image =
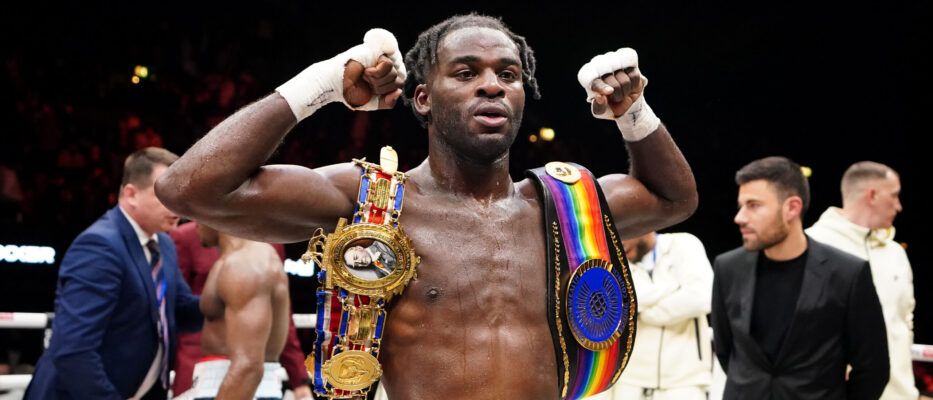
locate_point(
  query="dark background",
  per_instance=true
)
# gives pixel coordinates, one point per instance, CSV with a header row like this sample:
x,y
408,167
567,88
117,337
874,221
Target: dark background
x,y
824,85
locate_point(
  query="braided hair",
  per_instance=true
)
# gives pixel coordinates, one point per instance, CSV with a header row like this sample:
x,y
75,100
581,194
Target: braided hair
x,y
423,55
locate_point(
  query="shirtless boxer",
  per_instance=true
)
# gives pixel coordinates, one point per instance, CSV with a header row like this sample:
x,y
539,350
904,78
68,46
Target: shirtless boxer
x,y
245,306
473,325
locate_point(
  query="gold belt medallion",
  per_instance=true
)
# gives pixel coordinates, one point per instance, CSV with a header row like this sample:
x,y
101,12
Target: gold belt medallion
x,y
352,370
365,261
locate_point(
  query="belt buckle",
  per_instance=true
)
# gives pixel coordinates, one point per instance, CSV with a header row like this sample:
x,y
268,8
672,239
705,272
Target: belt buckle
x,y
595,305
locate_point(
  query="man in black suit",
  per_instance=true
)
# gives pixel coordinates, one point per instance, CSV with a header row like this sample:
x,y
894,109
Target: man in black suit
x,y
789,314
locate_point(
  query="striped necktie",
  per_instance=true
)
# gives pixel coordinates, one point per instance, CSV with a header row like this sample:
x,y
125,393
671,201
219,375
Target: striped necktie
x,y
158,279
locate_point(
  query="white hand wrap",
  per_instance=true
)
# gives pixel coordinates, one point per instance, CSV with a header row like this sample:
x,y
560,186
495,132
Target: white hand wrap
x,y
322,82
639,120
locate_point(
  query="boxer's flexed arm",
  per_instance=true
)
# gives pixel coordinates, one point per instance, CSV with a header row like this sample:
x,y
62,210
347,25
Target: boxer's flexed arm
x,y
221,180
659,190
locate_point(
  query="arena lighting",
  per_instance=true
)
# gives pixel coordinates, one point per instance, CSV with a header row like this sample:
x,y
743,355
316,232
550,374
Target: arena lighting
x,y
547,134
134,79
806,171
12,253
141,71
533,138
298,268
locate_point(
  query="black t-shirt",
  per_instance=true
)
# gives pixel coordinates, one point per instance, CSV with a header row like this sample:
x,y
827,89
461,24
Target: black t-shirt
x,y
777,287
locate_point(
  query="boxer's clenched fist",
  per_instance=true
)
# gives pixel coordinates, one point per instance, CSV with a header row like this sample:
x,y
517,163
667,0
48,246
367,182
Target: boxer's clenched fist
x,y
612,82
615,86
374,74
368,76
383,80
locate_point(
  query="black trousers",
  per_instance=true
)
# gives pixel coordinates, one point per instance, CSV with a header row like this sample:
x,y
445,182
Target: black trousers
x,y
157,392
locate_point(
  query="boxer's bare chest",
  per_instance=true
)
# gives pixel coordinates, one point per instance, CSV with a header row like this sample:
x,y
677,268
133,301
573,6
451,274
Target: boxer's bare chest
x,y
491,252
476,314
211,304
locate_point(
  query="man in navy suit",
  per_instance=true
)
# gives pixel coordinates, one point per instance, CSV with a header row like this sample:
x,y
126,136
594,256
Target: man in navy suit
x,y
789,314
120,299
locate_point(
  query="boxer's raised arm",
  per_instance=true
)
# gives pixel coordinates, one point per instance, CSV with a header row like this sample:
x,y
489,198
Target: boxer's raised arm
x,y
659,190
221,180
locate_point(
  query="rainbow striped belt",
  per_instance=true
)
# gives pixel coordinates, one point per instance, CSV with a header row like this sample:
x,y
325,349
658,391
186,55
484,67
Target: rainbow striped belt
x,y
592,296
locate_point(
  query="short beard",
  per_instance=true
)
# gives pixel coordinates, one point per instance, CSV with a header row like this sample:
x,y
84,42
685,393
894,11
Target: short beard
x,y
766,240
450,124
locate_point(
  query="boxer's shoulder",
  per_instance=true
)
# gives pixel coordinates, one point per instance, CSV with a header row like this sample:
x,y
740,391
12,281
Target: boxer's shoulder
x,y
530,192
568,173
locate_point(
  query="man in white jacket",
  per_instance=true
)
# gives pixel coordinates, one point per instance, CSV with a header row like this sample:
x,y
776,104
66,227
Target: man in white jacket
x,y
672,356
864,227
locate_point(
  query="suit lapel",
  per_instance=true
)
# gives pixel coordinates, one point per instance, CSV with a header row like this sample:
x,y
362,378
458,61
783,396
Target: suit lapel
x,y
138,261
746,283
811,293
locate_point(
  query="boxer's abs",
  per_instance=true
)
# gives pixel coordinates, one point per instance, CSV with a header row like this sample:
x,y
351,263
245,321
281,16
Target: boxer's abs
x,y
474,323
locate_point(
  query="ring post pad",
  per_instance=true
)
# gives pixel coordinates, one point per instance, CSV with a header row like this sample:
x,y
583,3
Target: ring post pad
x,y
364,262
591,298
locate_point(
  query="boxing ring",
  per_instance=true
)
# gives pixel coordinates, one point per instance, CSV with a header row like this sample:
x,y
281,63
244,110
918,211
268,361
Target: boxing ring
x,y
17,320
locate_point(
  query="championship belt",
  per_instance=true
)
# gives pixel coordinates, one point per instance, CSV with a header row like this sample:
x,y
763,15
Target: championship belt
x,y
363,264
590,287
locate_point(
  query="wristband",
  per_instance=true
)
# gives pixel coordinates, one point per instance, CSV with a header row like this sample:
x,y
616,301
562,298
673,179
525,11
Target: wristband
x,y
638,122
